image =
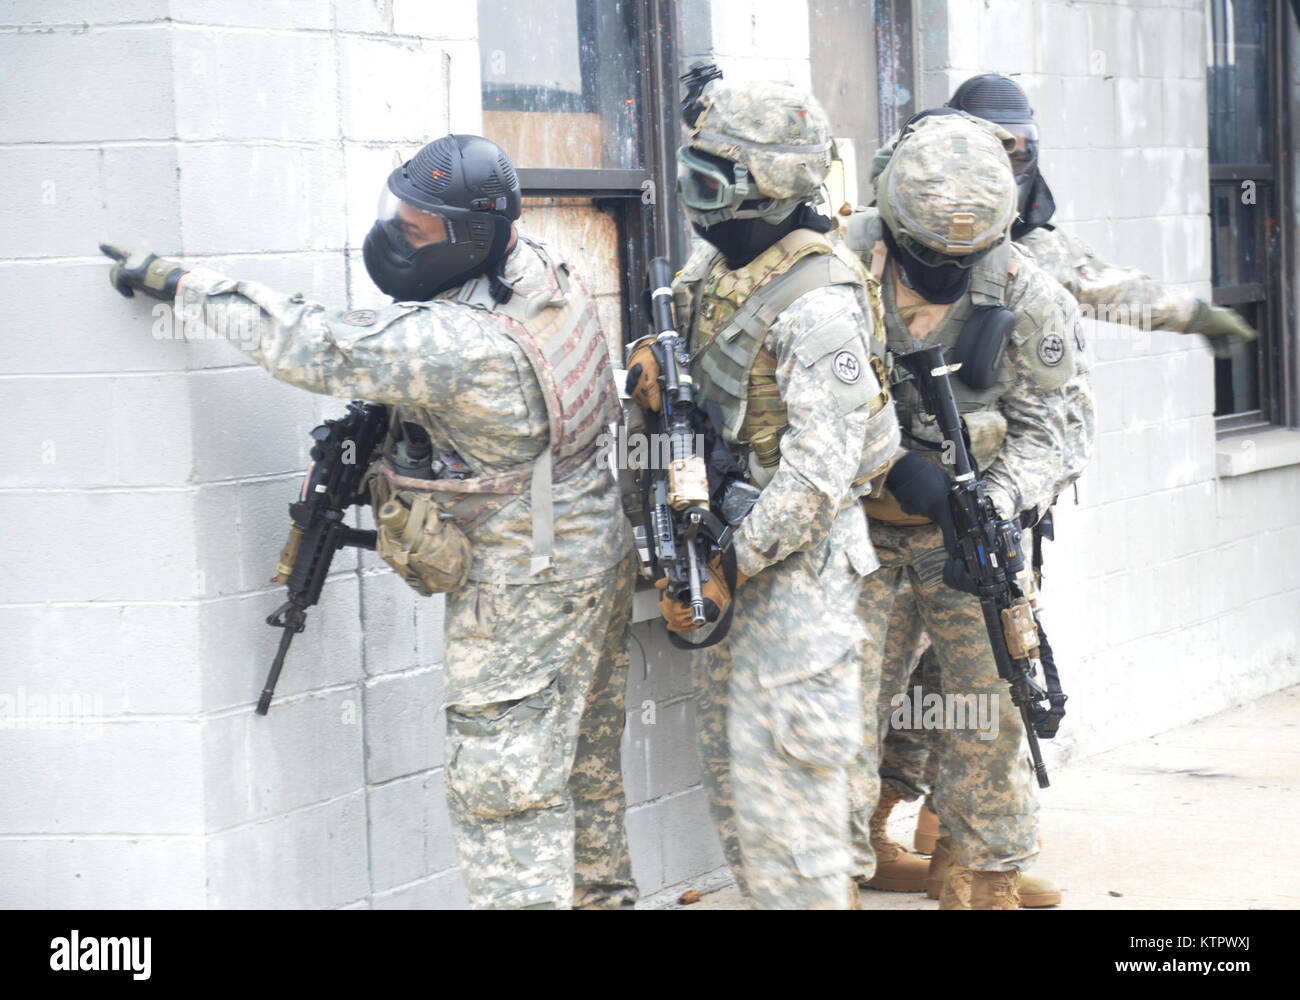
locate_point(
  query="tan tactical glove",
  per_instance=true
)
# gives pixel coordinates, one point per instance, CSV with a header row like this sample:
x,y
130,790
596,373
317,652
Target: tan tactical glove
x,y
153,275
643,376
1219,324
714,589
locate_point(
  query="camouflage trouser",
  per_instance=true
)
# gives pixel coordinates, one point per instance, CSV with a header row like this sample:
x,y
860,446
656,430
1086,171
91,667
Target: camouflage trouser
x,y
536,681
778,714
984,791
909,757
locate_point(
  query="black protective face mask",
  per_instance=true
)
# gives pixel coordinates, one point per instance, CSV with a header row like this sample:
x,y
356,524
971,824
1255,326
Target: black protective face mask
x,y
741,240
942,285
1035,203
1024,190
419,275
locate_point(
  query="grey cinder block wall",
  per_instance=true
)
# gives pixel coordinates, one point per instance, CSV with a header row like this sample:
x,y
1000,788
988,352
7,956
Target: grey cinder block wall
x,y
144,481
252,137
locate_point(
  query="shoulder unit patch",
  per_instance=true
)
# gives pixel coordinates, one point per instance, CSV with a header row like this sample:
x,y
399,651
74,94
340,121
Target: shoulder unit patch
x,y
847,367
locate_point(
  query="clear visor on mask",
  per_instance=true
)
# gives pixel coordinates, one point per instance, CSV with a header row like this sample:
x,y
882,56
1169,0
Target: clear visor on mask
x,y
410,228
708,183
1025,155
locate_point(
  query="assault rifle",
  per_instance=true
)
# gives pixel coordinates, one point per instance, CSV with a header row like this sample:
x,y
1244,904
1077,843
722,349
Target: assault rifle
x,y
339,458
991,551
683,534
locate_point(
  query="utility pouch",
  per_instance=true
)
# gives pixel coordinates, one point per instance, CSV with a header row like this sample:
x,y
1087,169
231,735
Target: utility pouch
x,y
424,545
982,344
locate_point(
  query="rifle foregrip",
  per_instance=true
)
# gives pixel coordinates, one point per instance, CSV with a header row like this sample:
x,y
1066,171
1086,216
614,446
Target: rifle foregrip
x,y
288,555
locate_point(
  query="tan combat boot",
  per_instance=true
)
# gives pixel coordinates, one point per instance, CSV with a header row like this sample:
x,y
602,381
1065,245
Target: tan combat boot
x,y
927,830
940,862
1035,890
897,868
956,888
995,890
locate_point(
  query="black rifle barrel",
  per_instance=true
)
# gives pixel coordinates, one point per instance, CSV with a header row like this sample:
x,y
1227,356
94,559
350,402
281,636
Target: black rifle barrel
x,y
931,371
272,678
673,358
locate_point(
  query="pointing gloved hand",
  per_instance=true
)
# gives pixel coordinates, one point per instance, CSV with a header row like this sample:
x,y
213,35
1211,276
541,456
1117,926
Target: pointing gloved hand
x,y
643,376
153,275
1220,324
713,590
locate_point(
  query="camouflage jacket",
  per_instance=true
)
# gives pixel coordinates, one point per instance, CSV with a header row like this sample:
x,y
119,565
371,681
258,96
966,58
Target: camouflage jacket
x,y
450,367
1042,394
1108,293
1111,294
827,432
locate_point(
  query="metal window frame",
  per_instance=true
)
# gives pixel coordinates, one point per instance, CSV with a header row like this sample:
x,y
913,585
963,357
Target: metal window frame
x,y
642,201
1276,353
1287,410
895,63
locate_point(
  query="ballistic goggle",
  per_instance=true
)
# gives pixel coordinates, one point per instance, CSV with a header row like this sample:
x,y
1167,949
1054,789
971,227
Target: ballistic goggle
x,y
1025,155
708,183
931,257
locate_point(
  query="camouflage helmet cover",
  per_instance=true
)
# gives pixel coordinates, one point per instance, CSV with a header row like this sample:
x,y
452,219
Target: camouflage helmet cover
x,y
778,132
949,185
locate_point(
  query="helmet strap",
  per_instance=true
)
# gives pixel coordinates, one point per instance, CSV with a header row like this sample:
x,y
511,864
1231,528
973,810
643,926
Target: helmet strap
x,y
500,289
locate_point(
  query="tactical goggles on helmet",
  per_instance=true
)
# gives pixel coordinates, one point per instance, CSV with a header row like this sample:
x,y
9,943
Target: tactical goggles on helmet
x,y
931,257
710,184
1025,155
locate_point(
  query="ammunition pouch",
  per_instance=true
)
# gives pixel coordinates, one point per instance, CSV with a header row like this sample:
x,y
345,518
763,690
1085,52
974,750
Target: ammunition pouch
x,y
417,538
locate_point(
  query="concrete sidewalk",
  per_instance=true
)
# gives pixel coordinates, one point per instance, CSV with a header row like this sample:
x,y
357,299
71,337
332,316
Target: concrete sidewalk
x,y
1200,817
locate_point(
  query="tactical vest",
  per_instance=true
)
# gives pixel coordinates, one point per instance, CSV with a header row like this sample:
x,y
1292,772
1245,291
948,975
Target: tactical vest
x,y
557,329
726,314
989,280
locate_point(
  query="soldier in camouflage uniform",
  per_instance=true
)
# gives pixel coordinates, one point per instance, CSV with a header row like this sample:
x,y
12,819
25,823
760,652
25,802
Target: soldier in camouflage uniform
x,y
1113,293
1118,294
528,538
781,332
939,243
